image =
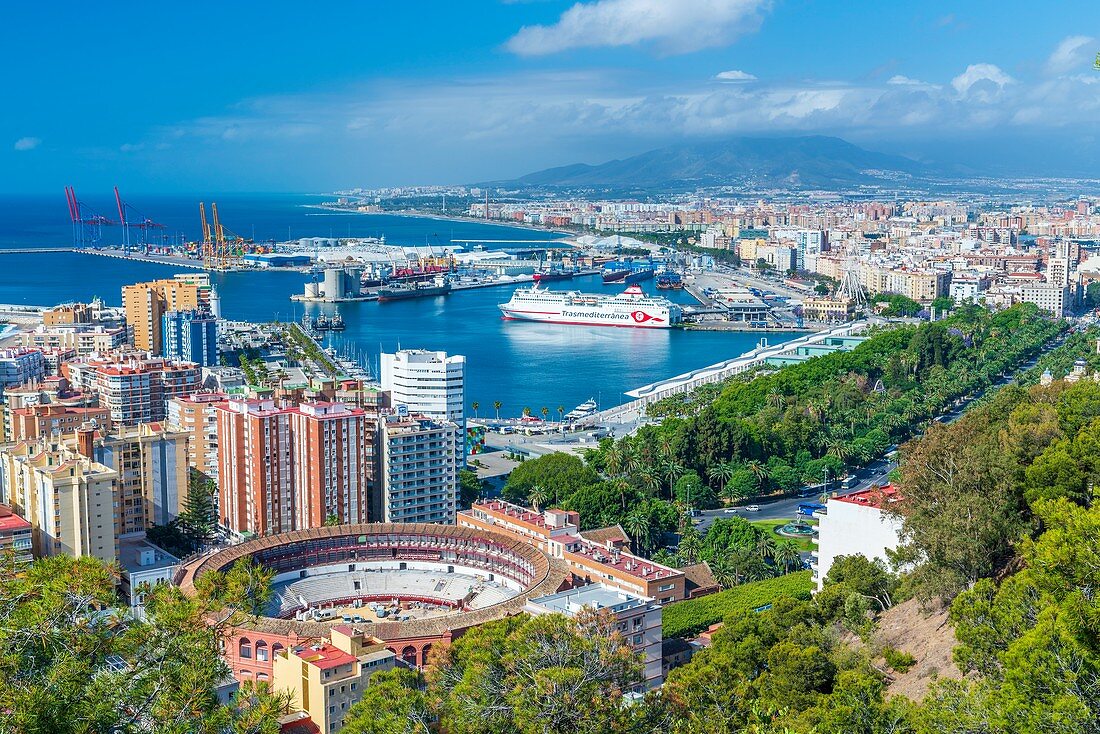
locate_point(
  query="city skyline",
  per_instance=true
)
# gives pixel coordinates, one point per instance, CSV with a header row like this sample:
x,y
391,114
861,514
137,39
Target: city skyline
x,y
228,99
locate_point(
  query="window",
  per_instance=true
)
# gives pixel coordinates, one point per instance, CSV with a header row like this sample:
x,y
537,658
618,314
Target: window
x,y
244,648
261,651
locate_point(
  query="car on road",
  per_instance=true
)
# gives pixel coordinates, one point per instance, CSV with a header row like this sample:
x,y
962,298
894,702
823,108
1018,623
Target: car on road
x,y
752,508
730,511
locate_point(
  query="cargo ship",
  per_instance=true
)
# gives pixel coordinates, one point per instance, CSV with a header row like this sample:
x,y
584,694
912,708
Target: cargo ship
x,y
402,291
632,307
668,280
633,271
546,276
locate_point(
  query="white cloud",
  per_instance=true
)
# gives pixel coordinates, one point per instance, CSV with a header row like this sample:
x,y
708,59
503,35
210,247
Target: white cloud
x,y
1069,54
27,143
467,127
670,27
899,80
734,75
981,82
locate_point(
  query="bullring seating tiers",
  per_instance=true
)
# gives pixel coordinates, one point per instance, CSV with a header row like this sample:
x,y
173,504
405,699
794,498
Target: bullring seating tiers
x,y
448,588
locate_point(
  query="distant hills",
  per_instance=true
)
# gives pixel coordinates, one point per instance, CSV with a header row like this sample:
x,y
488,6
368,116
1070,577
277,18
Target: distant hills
x,y
809,162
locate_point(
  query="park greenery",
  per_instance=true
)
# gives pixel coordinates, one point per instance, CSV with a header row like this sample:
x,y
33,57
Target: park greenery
x,y
692,616
71,664
807,423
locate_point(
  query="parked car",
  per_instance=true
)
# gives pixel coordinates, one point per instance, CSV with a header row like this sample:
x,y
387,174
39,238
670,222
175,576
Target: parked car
x,y
730,511
752,508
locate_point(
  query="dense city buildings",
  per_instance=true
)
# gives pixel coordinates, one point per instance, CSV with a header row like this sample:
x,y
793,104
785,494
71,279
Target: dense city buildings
x,y
146,304
190,336
21,366
195,415
69,499
283,468
152,467
134,389
81,338
419,469
53,419
431,384
16,537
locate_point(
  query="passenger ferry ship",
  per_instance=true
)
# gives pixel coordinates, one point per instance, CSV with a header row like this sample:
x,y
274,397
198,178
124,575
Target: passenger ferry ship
x,y
632,307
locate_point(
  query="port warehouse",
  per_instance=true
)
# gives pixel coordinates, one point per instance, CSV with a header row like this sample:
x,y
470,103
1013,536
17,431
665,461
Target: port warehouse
x,y
276,260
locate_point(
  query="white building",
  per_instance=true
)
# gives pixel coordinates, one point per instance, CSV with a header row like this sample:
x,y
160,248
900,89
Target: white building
x,y
431,384
143,566
419,470
856,524
638,619
1047,296
20,366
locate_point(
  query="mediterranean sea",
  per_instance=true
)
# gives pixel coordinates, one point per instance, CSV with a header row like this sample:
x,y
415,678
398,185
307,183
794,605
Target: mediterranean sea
x,y
517,363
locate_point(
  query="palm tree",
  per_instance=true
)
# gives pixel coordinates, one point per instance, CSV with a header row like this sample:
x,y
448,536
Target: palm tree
x,y
723,471
838,449
776,397
636,525
475,405
545,412
786,555
621,486
759,470
649,479
613,460
526,412
765,545
561,414
690,546
723,571
673,471
497,406
537,496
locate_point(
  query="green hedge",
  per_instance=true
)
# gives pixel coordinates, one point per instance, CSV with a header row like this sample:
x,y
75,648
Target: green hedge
x,y
684,618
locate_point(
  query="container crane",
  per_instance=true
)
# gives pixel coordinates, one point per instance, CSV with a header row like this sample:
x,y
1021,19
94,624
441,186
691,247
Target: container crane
x,y
87,225
129,217
220,252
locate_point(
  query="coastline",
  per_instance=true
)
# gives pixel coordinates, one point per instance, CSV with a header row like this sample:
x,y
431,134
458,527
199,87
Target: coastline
x,y
414,213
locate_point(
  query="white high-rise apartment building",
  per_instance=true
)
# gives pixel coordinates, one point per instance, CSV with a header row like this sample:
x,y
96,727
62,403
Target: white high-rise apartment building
x,y
430,384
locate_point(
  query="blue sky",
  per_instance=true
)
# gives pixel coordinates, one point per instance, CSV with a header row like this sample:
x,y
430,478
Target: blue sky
x,y
286,96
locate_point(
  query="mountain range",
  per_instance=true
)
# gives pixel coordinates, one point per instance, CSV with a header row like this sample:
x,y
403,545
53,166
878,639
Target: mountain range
x,y
808,162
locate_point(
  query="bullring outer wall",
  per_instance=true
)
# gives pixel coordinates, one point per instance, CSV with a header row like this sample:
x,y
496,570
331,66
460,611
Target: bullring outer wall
x,y
412,641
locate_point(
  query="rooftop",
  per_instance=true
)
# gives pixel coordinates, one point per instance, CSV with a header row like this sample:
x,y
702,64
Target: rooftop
x,y
871,497
324,656
592,596
10,522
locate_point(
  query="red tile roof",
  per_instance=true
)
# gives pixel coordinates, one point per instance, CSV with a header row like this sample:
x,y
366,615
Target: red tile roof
x,y
324,656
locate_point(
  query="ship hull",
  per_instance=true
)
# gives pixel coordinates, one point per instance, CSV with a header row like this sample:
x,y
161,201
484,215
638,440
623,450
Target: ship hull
x,y
626,320
411,293
615,276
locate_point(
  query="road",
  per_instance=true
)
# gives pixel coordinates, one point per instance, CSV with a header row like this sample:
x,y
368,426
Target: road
x,y
874,473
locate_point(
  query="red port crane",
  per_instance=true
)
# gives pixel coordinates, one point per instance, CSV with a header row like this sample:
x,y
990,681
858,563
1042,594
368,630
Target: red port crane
x,y
129,217
87,225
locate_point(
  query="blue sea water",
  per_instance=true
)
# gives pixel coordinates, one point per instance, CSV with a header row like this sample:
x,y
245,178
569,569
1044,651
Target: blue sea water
x,y
520,364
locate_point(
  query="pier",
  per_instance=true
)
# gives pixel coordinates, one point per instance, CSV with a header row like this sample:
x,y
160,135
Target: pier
x,y
35,250
720,372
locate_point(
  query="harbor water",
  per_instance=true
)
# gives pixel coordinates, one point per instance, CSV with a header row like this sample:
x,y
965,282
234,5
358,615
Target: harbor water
x,y
519,364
